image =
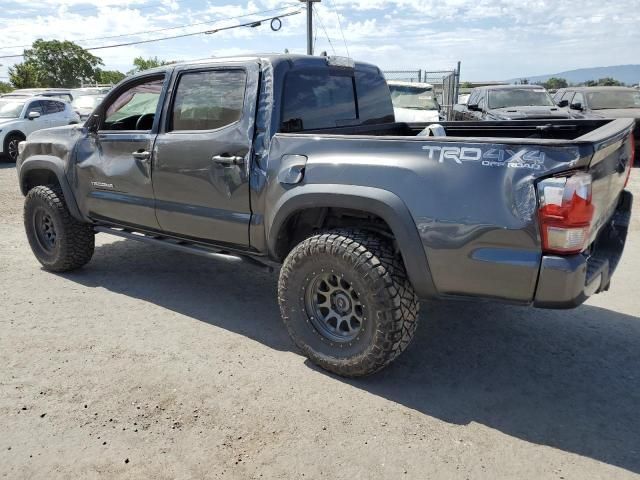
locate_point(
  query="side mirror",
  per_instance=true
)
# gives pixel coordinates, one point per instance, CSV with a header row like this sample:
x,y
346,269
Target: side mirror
x,y
576,106
474,107
563,103
92,123
33,115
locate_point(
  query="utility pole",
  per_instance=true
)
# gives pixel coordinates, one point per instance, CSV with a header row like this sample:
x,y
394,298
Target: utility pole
x,y
310,24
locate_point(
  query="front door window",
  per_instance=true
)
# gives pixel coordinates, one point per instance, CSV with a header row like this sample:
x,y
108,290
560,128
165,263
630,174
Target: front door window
x,y
135,108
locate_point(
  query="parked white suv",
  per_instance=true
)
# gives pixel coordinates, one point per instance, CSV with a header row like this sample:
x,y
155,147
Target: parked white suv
x,y
21,116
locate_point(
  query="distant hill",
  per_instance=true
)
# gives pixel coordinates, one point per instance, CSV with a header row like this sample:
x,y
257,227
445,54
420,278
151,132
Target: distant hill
x,y
629,74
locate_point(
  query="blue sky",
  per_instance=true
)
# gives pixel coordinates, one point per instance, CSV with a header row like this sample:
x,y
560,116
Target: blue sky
x,y
494,39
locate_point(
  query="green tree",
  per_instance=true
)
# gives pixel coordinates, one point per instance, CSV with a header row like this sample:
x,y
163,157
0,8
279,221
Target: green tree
x,y
55,64
24,75
466,85
5,87
109,76
609,82
603,82
141,63
554,83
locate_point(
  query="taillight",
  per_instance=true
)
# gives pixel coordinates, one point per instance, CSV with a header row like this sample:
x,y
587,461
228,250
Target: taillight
x,y
565,213
632,159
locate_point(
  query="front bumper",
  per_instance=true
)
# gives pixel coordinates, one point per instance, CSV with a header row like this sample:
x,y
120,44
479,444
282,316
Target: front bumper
x,y
567,281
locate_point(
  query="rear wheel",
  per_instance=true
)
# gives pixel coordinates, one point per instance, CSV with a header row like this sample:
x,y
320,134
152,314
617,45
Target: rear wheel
x,y
11,142
59,241
347,303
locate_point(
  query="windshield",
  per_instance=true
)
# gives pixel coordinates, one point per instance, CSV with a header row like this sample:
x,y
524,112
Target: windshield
x,y
416,98
10,108
613,99
87,101
519,98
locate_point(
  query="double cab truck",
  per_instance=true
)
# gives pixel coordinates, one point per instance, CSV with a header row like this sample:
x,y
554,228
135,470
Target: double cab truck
x,y
298,161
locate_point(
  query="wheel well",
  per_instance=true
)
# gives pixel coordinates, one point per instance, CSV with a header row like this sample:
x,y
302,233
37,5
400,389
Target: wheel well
x,y
15,132
36,177
305,223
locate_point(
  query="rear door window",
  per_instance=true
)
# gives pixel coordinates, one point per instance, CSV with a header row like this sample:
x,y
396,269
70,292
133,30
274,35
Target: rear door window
x,y
208,100
51,106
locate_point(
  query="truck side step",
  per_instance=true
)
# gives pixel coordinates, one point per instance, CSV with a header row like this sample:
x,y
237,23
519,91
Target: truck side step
x,y
182,245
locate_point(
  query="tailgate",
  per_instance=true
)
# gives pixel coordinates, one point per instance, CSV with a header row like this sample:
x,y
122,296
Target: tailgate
x,y
610,167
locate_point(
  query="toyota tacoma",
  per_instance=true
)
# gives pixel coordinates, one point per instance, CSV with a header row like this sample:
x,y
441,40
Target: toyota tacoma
x,y
298,161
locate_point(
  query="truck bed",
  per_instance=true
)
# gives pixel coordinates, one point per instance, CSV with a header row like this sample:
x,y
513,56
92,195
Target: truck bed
x,y
483,131
472,194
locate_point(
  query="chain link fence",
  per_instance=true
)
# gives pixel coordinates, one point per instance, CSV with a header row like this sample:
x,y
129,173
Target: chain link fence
x,y
446,84
404,75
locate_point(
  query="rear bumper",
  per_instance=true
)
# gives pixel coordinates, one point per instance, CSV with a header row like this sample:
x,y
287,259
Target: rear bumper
x,y
566,282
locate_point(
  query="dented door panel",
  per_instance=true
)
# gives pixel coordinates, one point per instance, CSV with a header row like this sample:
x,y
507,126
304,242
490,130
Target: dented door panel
x,y
113,184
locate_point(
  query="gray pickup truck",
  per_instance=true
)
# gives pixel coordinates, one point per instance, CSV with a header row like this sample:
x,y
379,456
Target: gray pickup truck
x,y
298,160
509,102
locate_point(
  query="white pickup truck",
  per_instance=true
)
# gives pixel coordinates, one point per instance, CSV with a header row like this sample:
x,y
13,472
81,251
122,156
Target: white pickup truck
x,y
414,102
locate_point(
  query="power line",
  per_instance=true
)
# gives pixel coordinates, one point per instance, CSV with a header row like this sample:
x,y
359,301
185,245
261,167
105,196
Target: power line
x,y
325,31
168,28
340,25
178,36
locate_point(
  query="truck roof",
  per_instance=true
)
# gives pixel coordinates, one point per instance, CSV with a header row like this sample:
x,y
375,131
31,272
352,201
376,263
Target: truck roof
x,y
409,84
600,89
510,87
272,58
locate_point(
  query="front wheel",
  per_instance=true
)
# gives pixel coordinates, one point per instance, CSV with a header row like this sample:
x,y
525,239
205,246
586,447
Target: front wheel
x,y
59,241
347,303
11,146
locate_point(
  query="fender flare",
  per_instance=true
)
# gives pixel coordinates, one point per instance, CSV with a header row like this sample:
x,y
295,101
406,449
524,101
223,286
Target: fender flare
x,y
55,166
376,201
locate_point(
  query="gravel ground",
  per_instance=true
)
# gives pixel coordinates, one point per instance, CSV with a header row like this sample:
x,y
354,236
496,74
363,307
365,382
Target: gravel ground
x,y
155,364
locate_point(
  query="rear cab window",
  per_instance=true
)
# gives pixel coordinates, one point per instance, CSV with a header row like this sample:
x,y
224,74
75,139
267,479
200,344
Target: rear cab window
x,y
318,98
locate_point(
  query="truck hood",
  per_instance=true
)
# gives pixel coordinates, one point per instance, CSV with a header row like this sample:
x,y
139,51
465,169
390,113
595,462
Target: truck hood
x,y
6,121
617,113
527,113
410,115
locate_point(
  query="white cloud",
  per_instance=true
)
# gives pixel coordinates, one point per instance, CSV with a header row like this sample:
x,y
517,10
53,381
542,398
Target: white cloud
x,y
494,39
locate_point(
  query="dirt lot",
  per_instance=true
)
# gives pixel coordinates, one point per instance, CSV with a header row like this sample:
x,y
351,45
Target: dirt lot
x,y
155,364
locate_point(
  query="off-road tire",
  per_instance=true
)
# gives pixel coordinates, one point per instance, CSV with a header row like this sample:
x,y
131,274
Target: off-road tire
x,y
377,274
10,147
74,241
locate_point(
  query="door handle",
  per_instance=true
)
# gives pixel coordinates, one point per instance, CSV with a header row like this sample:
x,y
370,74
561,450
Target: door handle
x,y
144,156
228,161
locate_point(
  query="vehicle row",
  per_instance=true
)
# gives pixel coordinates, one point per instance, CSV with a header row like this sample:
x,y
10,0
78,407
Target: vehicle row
x,y
532,102
24,111
21,116
414,102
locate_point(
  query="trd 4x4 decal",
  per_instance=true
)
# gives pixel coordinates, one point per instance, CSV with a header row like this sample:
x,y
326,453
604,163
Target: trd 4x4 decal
x,y
492,157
